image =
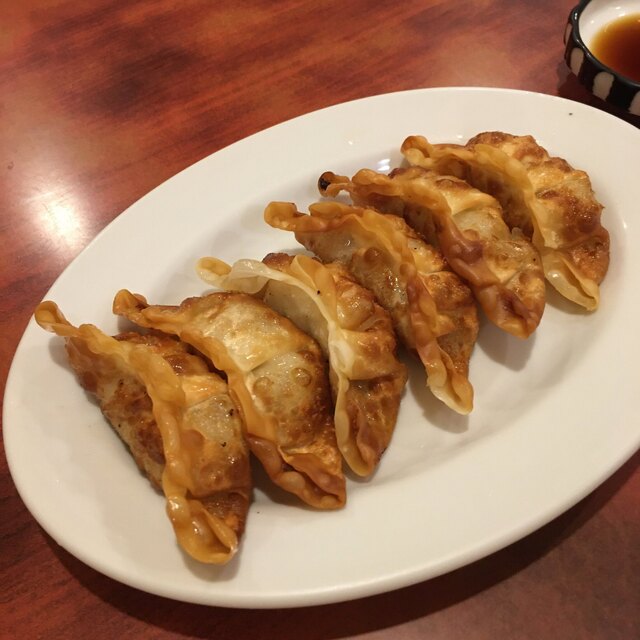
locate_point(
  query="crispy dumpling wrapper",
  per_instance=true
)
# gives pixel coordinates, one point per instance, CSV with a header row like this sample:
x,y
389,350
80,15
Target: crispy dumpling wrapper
x,y
277,378
433,311
179,423
501,266
355,333
550,201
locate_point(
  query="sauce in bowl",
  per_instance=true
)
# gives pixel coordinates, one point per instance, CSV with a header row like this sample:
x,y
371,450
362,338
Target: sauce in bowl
x,y
617,45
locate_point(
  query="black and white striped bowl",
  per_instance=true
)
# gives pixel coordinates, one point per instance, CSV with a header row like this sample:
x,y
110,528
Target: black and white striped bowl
x,y
585,20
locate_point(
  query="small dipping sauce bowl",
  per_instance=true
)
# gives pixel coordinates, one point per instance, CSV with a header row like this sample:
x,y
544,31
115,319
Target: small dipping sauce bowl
x,y
585,24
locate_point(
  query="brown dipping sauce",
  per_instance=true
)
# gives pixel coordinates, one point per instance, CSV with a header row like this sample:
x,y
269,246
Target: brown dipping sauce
x,y
618,46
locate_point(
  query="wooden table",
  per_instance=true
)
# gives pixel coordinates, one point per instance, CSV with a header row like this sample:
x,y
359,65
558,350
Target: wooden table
x,y
100,102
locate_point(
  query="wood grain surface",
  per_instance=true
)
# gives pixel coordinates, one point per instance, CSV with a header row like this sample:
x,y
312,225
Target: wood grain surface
x,y
100,102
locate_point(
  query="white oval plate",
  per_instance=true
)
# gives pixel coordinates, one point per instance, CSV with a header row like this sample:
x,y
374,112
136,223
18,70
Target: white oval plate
x,y
554,415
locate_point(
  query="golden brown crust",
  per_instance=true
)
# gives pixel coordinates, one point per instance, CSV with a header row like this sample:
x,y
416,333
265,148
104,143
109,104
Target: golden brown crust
x,y
405,274
125,403
502,267
277,377
179,423
355,333
550,201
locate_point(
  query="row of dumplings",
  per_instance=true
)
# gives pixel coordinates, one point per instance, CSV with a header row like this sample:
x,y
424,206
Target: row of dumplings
x,y
294,359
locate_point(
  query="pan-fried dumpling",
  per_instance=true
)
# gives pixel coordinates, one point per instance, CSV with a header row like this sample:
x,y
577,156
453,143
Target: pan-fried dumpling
x,y
354,332
179,423
501,266
551,202
276,376
432,310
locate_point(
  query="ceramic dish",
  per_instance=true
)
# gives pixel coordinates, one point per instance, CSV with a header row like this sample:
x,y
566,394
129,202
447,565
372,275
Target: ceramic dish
x,y
554,415
585,21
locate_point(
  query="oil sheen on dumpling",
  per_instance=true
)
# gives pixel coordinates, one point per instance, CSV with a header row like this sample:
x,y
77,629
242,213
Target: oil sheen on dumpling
x,y
276,376
550,201
501,266
432,310
179,423
354,332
